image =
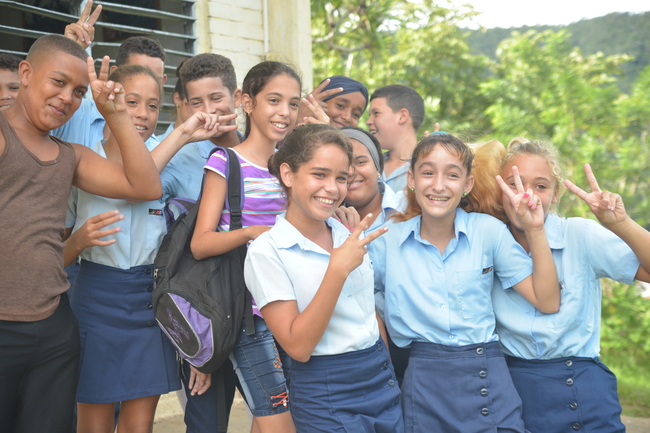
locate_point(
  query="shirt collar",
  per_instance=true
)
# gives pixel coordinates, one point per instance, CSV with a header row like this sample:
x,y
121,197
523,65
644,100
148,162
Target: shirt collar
x,y
554,232
389,200
413,225
94,112
285,235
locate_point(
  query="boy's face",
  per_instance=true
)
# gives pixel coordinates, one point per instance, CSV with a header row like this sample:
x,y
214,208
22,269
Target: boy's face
x,y
209,95
383,122
53,88
9,85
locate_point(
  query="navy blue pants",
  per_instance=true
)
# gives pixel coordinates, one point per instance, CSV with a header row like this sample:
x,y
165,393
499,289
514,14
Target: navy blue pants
x,y
567,394
201,410
349,392
460,389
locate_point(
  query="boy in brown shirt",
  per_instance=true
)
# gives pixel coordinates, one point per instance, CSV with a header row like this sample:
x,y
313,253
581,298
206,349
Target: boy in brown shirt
x,y
39,341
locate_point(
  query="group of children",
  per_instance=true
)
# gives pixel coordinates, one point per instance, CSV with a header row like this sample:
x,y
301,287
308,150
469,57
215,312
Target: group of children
x,y
427,288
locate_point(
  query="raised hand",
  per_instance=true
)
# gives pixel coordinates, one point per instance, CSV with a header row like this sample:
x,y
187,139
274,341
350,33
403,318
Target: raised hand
x,y
83,31
348,216
318,95
607,206
108,95
350,254
313,111
527,205
202,126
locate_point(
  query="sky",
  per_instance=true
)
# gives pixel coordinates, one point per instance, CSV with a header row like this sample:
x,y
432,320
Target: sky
x,y
516,13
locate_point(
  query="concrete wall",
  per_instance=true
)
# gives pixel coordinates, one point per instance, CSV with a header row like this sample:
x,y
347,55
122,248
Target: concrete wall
x,y
247,30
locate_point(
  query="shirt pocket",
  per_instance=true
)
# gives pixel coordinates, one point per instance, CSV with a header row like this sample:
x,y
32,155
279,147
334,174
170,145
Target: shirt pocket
x,y
474,289
572,309
156,228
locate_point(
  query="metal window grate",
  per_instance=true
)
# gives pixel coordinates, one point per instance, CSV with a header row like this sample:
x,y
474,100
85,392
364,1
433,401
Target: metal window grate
x,y
169,21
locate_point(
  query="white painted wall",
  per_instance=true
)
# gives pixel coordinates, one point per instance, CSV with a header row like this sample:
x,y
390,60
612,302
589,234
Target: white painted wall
x,y
236,29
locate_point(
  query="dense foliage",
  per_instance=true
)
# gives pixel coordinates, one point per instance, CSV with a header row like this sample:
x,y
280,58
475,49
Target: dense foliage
x,y
612,34
536,84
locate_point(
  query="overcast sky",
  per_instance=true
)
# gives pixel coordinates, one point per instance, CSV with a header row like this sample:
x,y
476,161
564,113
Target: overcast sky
x,y
516,13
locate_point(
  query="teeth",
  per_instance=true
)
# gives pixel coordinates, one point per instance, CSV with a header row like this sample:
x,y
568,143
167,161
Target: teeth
x,y
437,198
140,128
325,201
279,125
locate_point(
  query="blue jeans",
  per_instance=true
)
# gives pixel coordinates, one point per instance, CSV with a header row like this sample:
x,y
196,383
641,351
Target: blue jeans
x,y
259,366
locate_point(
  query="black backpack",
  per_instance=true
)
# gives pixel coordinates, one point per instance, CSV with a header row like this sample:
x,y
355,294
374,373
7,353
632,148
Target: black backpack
x,y
200,304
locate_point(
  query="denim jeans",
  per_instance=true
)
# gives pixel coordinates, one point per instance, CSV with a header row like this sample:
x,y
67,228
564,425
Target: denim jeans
x,y
259,364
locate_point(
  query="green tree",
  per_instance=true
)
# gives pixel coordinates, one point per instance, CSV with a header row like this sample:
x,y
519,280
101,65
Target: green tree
x,y
403,42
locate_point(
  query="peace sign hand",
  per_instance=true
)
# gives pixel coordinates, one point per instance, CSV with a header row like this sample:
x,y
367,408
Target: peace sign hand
x,y
317,115
108,95
83,31
349,256
607,206
202,126
316,95
528,207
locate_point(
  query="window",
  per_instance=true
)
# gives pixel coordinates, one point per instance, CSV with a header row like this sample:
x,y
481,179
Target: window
x,y
169,21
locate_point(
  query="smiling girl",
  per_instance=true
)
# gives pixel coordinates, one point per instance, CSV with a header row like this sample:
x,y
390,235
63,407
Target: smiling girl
x,y
554,359
125,358
345,108
313,281
270,99
435,267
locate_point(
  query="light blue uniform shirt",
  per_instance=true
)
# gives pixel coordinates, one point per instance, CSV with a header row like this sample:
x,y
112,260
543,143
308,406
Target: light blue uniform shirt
x,y
283,265
86,126
445,299
583,252
143,226
398,177
391,202
183,175
170,128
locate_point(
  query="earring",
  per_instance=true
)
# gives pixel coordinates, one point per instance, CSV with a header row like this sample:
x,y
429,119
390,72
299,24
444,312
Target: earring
x,y
378,175
464,194
412,189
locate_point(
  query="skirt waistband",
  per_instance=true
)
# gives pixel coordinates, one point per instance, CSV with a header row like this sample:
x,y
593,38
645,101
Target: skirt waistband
x,y
109,272
435,350
555,363
341,359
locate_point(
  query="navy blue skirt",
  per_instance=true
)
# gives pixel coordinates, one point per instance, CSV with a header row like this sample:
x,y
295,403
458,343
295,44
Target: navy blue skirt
x,y
124,354
567,394
349,392
464,389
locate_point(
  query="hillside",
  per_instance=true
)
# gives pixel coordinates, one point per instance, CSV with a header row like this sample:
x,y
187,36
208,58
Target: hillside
x,y
616,33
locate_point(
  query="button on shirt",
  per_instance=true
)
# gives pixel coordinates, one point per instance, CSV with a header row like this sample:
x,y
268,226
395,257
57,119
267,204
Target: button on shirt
x,y
583,252
143,226
445,299
283,265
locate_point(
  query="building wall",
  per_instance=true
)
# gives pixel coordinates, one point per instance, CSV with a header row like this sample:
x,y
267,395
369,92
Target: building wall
x,y
247,30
